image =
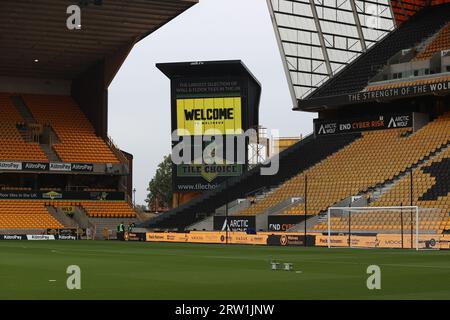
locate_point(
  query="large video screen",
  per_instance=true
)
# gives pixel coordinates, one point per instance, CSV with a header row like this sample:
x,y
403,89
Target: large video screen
x,y
209,116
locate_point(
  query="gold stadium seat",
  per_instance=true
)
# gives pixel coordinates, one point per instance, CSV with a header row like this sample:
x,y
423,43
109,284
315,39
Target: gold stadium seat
x,y
371,160
440,42
77,139
26,214
12,146
108,209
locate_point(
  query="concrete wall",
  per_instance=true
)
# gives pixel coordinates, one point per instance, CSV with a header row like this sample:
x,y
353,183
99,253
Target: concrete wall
x,y
37,86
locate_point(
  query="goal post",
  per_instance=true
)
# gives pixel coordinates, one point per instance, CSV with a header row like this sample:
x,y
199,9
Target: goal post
x,y
383,227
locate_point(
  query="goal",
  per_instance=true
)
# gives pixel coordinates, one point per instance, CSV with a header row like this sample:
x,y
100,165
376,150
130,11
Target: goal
x,y
383,227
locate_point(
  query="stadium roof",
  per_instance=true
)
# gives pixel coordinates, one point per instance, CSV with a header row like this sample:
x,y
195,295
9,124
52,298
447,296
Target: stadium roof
x,y
206,68
319,37
35,41
356,76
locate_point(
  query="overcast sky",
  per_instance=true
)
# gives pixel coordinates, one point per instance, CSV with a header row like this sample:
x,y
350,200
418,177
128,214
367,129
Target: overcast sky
x,y
139,97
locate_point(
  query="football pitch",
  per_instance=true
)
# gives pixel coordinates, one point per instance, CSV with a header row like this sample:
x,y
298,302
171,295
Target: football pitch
x,y
139,270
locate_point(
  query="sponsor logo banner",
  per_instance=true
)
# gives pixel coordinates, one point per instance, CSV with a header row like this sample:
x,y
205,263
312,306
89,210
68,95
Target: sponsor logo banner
x,y
133,236
65,234
381,241
60,166
369,241
82,167
43,166
389,94
295,239
35,166
13,237
43,237
209,171
428,241
40,237
405,91
53,195
166,237
66,237
209,237
235,223
337,241
279,223
14,166
380,122
289,239
243,238
20,195
205,237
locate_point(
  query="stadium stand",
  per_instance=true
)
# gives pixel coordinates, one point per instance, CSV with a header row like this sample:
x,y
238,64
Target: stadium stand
x,y
54,141
440,42
375,168
30,214
77,139
13,147
431,192
76,142
369,161
398,84
41,214
98,209
302,155
106,209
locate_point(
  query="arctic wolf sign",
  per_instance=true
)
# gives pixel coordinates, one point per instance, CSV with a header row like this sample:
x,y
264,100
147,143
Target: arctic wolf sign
x,y
369,123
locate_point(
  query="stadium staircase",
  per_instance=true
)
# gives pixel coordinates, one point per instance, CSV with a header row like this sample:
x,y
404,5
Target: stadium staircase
x,y
62,218
299,157
310,223
52,128
431,192
71,135
24,133
23,109
284,205
47,137
12,145
440,41
355,76
49,153
81,218
426,42
375,193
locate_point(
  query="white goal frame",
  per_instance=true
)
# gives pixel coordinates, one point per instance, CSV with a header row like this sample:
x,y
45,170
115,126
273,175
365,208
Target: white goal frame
x,y
415,208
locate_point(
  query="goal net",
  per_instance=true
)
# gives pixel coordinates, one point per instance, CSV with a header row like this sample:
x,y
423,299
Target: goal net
x,y
383,227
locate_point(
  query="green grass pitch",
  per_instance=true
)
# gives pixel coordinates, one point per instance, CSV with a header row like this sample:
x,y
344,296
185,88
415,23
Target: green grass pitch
x,y
138,270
